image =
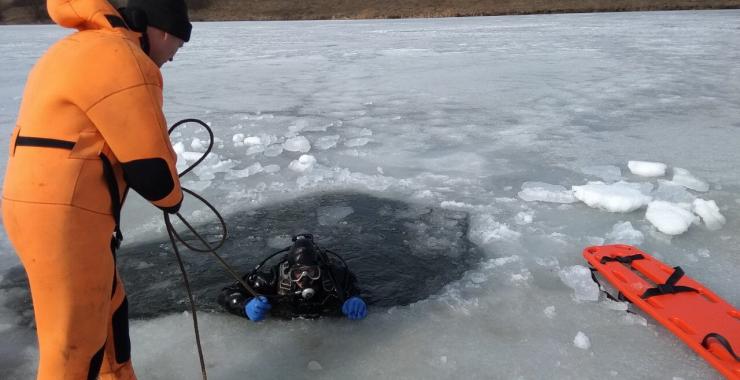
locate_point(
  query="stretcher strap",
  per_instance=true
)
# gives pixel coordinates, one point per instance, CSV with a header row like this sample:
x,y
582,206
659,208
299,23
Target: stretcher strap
x,y
722,341
670,286
622,259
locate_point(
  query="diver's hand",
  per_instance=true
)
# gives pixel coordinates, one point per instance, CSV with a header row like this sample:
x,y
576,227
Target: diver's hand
x,y
354,308
257,308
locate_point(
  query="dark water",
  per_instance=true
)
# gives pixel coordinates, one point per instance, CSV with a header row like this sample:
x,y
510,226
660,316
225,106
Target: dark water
x,y
400,252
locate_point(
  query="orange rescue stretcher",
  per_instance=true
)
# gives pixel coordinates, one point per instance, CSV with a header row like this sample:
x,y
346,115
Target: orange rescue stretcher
x,y
704,321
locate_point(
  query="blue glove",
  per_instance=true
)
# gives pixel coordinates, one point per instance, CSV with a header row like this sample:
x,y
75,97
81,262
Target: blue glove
x,y
257,308
354,308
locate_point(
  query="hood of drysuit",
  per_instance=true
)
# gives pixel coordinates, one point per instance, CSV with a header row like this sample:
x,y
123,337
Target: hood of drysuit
x,y
81,14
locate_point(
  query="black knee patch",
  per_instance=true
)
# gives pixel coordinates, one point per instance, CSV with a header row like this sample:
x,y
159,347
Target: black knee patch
x,y
95,363
121,340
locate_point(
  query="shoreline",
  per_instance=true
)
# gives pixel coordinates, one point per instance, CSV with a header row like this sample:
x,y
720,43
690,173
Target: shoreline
x,y
33,13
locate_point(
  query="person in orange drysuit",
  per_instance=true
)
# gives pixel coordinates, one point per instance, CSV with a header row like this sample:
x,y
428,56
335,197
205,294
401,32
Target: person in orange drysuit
x,y
90,126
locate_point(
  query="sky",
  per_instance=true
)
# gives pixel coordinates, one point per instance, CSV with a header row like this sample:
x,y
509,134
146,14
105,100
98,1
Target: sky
x,y
547,133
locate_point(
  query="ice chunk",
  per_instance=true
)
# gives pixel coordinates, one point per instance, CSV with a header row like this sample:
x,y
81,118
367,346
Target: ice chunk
x,y
524,217
579,279
207,170
605,172
272,169
297,144
246,172
327,142
192,156
669,218
198,144
197,186
252,140
360,141
454,205
331,215
709,213
581,341
304,163
238,138
684,178
273,150
615,305
477,277
624,233
298,126
545,192
254,149
313,365
179,148
647,168
617,197
486,229
550,312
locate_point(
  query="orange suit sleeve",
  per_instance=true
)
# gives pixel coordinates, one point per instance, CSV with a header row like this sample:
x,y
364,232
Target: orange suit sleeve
x,y
133,126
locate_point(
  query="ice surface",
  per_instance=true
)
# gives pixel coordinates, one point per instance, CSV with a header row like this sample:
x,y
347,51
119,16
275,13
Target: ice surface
x,y
647,168
457,112
617,197
670,218
684,178
544,192
709,213
672,192
605,172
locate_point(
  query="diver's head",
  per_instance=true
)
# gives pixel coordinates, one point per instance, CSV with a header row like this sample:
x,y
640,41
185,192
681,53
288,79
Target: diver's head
x,y
303,263
165,24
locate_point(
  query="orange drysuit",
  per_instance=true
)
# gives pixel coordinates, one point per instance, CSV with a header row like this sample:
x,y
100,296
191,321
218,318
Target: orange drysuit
x,y
90,125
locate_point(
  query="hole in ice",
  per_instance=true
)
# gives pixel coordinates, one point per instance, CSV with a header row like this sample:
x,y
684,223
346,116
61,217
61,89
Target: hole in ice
x,y
400,252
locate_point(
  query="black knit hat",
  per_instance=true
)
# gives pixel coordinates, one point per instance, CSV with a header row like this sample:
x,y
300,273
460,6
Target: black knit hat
x,y
170,16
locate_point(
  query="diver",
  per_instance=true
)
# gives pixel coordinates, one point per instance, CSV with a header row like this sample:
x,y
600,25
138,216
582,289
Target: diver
x,y
306,283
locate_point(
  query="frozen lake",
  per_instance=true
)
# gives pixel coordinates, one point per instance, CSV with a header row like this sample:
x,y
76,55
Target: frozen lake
x,y
503,124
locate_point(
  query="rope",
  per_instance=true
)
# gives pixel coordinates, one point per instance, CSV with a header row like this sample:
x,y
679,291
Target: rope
x,y
174,237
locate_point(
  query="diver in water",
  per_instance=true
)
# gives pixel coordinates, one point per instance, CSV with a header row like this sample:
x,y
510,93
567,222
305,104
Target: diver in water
x,y
305,283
